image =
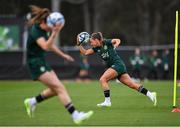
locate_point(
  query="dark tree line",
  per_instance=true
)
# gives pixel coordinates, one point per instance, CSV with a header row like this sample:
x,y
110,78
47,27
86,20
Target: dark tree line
x,y
136,22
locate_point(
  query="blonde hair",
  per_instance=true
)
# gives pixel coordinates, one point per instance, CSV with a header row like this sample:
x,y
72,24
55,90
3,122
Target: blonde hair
x,y
38,15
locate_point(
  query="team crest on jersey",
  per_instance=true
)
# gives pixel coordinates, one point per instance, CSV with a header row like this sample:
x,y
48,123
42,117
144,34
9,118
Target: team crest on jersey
x,y
42,68
113,65
105,47
48,34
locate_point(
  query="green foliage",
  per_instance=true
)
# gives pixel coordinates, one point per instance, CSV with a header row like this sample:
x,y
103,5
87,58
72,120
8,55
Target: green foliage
x,y
136,22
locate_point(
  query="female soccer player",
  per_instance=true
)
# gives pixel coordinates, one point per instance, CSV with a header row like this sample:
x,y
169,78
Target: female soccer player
x,y
105,48
37,44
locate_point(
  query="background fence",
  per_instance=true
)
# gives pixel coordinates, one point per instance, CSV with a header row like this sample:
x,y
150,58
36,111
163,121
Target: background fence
x,y
13,67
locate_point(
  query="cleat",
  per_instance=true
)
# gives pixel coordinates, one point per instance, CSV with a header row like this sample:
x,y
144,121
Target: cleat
x,y
29,108
82,116
104,104
154,99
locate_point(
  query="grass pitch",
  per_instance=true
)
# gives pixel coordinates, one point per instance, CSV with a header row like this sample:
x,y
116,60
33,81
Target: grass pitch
x,y
129,108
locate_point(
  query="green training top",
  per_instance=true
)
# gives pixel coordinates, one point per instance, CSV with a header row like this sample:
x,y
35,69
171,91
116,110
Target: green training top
x,y
33,49
153,62
107,52
137,61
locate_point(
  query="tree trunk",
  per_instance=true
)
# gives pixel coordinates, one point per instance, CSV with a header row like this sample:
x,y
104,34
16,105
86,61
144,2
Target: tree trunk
x,y
86,17
96,16
144,21
156,29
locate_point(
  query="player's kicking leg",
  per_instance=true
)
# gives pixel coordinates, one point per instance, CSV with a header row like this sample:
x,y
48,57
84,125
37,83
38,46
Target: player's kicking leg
x,y
104,104
107,101
108,75
30,103
125,79
154,98
30,108
79,117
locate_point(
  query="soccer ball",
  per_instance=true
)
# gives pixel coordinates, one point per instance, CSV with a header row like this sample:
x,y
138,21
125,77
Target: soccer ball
x,y
54,19
83,37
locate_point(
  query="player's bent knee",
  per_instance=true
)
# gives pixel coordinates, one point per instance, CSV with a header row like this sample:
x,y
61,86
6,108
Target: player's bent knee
x,y
102,80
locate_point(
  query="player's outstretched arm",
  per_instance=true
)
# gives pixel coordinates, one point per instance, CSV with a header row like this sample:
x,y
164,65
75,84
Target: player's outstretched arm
x,y
86,51
83,50
56,50
46,44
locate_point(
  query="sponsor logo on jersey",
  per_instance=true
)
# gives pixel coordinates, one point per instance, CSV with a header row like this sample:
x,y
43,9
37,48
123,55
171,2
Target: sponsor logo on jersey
x,y
105,47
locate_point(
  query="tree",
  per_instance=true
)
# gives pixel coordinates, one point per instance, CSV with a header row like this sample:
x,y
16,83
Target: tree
x,y
140,22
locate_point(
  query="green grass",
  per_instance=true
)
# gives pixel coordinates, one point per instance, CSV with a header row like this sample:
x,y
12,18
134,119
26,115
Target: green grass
x,y
129,108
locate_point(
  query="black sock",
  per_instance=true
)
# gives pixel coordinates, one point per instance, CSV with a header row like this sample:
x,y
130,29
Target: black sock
x,y
142,90
40,98
107,93
70,107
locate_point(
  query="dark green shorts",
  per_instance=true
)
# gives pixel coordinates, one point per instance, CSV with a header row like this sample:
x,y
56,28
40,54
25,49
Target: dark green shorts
x,y
119,67
38,66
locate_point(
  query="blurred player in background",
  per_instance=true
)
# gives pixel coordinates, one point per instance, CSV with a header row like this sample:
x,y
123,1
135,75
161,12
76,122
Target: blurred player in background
x,y
116,68
84,69
154,63
137,61
39,41
165,64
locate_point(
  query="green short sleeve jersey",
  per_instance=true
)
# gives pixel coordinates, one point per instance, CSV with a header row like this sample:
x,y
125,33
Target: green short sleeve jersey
x,y
33,49
153,62
36,62
165,62
110,56
137,61
165,59
107,52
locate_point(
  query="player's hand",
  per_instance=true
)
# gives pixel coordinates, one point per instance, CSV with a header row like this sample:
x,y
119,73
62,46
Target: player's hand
x,y
55,31
57,28
68,58
78,43
115,46
116,43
